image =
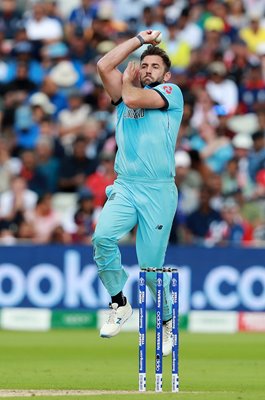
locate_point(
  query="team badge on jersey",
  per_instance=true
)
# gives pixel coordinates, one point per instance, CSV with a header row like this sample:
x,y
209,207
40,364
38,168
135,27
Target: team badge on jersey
x,y
167,89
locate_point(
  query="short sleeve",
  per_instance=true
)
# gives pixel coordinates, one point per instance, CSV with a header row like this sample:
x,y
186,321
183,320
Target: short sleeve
x,y
171,94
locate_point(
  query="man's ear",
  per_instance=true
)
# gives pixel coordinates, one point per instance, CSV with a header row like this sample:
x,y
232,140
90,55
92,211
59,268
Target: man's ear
x,y
167,76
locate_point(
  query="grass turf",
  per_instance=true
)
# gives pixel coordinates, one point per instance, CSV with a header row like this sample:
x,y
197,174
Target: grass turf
x,y
212,367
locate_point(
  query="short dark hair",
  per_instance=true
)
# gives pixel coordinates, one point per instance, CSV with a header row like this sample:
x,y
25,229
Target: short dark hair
x,y
157,51
257,135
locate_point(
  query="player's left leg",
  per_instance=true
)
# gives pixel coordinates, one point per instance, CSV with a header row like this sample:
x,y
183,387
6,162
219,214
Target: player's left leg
x,y
155,216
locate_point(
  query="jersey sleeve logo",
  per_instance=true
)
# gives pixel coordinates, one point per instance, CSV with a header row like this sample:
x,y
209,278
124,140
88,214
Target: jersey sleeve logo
x,y
167,89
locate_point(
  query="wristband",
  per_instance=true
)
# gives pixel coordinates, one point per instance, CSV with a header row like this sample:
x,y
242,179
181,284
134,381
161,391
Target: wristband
x,y
141,39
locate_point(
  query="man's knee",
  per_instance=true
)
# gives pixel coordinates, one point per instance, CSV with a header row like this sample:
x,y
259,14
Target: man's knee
x,y
102,242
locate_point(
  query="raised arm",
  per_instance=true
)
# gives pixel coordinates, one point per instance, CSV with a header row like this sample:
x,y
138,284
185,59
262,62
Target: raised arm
x,y
135,96
107,65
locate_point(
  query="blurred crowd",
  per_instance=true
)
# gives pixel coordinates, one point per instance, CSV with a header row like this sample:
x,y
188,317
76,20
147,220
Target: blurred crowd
x,y
57,124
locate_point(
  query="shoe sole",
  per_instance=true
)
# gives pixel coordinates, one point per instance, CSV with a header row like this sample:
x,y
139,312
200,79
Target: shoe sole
x,y
166,355
115,334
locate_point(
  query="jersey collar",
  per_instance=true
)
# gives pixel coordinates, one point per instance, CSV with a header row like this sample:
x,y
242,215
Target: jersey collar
x,y
154,84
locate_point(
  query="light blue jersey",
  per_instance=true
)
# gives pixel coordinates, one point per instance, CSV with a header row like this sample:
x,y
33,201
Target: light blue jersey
x,y
146,138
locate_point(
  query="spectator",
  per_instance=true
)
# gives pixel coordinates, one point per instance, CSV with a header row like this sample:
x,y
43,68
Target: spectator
x,y
20,32
23,52
49,129
223,128
52,11
84,217
252,87
259,235
242,144
149,21
7,236
186,129
214,40
237,17
189,31
261,54
256,6
55,95
253,34
73,119
261,118
66,76
60,236
176,48
25,232
9,166
214,182
10,16
76,167
95,137
199,167
222,90
232,229
41,27
260,179
185,177
47,164
257,155
103,177
236,59
27,131
230,178
43,219
81,16
66,73
3,71
21,83
103,112
204,111
129,10
198,222
187,195
35,179
15,94
16,201
41,107
215,150
28,119
81,49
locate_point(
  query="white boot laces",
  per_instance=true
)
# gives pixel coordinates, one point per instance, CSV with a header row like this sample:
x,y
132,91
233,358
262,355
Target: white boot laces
x,y
112,313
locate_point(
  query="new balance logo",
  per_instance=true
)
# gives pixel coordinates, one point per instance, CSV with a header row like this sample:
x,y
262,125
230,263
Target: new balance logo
x,y
159,227
118,320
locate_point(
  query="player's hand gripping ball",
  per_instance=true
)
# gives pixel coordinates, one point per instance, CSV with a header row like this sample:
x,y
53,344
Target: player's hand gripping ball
x,y
159,38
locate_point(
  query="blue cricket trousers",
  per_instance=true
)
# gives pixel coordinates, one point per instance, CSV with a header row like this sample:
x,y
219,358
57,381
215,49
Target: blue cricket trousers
x,y
149,204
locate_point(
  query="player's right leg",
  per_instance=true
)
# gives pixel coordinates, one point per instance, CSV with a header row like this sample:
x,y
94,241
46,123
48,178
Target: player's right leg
x,y
154,224
117,218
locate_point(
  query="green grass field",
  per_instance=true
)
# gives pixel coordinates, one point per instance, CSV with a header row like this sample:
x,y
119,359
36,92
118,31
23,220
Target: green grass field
x,y
212,367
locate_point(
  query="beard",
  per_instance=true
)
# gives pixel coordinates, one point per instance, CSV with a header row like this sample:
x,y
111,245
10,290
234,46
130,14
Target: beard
x,y
147,80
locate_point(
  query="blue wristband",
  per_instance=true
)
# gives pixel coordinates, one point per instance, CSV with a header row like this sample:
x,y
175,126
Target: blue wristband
x,y
141,39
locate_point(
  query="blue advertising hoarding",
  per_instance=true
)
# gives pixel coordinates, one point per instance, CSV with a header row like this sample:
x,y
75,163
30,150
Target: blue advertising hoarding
x,y
61,277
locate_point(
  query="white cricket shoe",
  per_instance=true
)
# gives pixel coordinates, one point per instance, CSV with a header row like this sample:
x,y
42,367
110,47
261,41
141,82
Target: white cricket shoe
x,y
117,317
167,338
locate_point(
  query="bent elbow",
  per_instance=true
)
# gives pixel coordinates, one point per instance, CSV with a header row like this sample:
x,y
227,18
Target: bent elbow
x,y
129,102
100,65
104,65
